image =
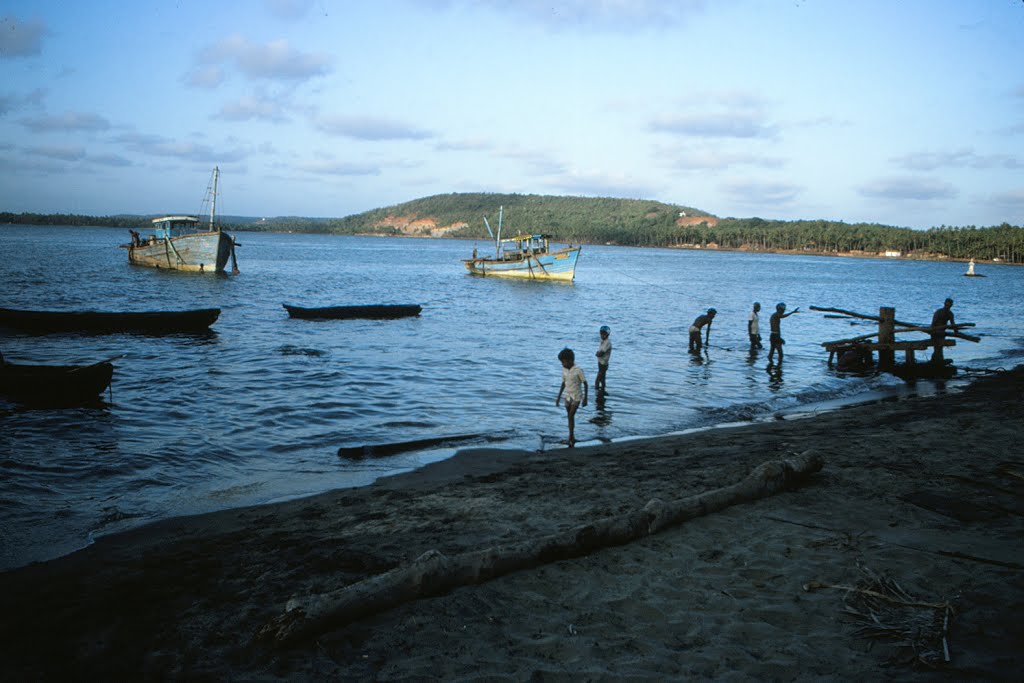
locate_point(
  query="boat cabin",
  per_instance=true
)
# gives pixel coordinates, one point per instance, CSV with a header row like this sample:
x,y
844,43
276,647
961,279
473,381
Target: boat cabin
x,y
519,247
174,226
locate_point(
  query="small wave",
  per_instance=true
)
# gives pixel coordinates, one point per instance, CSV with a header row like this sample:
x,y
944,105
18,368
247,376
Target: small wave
x,y
241,490
399,424
289,350
114,515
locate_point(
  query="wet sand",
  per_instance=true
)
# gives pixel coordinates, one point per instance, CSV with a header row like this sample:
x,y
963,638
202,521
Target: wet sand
x,y
920,501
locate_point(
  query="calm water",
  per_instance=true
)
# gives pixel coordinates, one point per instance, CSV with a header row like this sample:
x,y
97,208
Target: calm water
x,y
256,410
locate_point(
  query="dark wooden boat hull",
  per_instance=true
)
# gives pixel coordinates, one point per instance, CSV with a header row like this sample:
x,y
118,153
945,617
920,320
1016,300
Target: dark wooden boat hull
x,y
909,372
97,322
54,385
379,312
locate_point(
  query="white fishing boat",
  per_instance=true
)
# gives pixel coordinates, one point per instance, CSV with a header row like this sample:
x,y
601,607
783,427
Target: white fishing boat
x,y
527,257
184,242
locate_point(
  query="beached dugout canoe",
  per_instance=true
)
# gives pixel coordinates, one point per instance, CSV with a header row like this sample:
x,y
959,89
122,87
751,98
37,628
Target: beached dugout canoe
x,y
377,312
57,385
101,322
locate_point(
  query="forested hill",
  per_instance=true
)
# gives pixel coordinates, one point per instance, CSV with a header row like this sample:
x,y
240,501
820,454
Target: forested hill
x,y
627,222
634,222
577,219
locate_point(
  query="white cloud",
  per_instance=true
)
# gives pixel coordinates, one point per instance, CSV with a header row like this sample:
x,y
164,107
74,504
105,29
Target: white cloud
x,y
370,128
908,187
109,160
611,15
252,108
157,146
741,124
597,184
477,145
289,10
1011,200
761,193
275,60
69,153
339,168
70,121
714,158
9,103
963,158
208,76
20,38
540,163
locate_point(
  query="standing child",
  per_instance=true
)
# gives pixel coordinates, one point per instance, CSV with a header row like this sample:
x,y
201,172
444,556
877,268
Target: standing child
x,y
754,327
572,381
604,354
775,339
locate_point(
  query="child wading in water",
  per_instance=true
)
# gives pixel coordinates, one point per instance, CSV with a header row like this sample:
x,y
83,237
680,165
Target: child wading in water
x,y
572,381
604,355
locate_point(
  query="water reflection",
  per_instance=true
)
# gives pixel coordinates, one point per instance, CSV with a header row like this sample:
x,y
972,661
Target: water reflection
x,y
604,416
774,371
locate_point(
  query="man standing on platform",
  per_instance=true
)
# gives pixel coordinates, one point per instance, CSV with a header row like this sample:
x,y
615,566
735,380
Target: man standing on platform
x,y
942,319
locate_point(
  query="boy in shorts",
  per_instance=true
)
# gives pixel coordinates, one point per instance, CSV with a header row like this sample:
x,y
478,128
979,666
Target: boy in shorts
x,y
574,385
604,355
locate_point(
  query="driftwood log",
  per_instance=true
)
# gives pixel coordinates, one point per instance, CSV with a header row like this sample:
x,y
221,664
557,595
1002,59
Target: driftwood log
x,y
434,573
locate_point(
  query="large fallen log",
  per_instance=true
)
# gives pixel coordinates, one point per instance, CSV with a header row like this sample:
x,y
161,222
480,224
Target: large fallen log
x,y
434,573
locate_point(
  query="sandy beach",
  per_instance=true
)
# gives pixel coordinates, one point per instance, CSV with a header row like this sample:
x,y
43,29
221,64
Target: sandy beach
x,y
901,559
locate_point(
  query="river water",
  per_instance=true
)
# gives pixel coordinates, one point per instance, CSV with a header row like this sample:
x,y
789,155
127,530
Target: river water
x,y
256,410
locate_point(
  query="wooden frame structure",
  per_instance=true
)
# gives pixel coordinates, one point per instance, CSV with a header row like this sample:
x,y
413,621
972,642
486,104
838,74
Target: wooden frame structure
x,y
887,344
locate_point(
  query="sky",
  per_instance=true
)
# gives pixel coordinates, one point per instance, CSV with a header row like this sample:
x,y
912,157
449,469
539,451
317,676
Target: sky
x,y
906,113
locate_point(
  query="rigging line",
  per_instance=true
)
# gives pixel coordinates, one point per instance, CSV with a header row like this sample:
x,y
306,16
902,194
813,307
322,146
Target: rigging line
x,y
645,282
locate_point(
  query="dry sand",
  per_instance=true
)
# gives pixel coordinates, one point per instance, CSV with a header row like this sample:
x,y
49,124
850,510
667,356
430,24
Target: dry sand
x,y
927,492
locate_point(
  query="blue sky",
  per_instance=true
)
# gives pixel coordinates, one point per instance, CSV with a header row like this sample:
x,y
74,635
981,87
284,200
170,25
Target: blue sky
x,y
906,113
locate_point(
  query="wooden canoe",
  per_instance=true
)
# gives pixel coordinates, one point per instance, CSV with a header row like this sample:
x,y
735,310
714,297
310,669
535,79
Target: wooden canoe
x,y
378,312
909,372
99,322
54,385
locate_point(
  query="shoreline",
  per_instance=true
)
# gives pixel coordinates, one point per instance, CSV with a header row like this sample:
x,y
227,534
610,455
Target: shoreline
x,y
812,408
924,490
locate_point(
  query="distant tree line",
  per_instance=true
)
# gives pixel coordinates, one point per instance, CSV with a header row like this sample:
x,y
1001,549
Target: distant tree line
x,y
236,223
625,222
70,219
1004,242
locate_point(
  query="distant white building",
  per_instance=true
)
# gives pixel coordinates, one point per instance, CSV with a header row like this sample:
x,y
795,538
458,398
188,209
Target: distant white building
x,y
893,254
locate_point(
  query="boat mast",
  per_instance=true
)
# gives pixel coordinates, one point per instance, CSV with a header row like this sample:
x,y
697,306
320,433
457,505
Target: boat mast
x,y
497,242
213,196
